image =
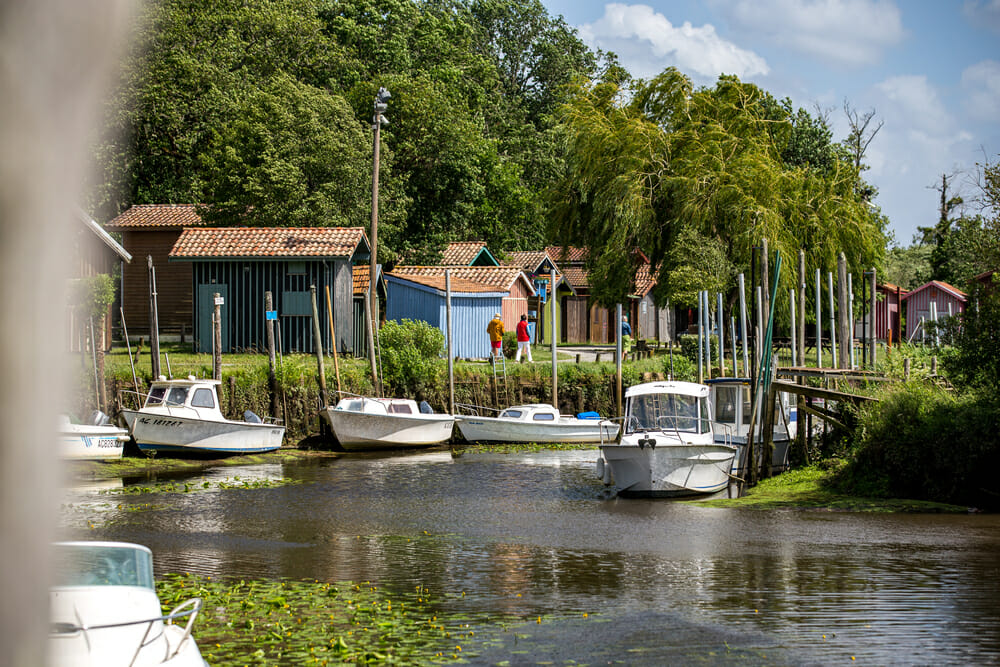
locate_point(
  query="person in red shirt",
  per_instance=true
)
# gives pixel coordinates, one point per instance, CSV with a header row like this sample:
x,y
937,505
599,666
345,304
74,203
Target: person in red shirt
x,y
523,339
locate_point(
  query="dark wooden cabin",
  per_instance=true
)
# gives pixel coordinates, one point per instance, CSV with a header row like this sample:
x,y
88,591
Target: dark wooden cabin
x,y
151,230
242,263
95,253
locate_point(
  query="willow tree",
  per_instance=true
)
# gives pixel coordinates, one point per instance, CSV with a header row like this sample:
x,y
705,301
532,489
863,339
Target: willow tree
x,y
680,173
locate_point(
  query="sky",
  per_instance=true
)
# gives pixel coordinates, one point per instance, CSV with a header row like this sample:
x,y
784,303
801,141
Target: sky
x,y
930,70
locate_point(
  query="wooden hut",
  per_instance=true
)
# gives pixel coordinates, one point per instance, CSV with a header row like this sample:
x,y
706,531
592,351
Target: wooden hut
x,y
95,253
242,263
151,231
468,253
418,293
362,277
947,300
537,266
649,321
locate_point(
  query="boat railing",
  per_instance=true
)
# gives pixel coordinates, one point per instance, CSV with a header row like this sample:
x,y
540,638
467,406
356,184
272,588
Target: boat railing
x,y
189,609
474,409
727,431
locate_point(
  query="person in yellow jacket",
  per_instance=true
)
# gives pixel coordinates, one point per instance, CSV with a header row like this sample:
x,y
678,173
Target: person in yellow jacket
x,y
495,330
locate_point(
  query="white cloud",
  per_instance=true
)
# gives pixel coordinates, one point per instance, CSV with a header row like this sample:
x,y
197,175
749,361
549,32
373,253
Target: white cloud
x,y
981,83
846,32
981,13
647,43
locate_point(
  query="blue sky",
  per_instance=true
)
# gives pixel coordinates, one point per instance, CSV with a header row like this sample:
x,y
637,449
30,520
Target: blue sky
x,y
930,69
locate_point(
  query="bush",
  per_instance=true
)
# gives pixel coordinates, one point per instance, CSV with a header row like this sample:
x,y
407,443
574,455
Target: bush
x,y
411,357
689,347
509,344
924,443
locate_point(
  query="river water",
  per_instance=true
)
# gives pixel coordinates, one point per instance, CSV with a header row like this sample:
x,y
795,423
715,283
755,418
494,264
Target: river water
x,y
624,581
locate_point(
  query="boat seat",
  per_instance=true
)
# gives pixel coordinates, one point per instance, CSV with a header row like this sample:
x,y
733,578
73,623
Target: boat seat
x,y
425,408
249,416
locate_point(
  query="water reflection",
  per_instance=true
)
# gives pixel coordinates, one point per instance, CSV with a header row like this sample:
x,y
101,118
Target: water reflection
x,y
534,534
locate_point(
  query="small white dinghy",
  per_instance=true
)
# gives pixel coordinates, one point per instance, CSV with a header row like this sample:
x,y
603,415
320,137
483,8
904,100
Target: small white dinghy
x,y
104,611
183,416
536,422
668,447
99,440
361,422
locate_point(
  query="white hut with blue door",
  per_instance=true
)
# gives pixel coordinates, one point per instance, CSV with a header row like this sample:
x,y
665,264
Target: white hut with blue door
x,y
477,294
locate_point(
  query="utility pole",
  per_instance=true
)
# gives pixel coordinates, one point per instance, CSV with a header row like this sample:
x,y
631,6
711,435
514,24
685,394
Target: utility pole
x,y
377,121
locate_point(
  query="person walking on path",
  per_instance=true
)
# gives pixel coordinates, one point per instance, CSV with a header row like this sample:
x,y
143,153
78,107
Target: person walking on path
x,y
495,330
523,340
626,337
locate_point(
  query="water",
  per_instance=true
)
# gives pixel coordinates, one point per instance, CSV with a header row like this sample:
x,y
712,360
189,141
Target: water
x,y
537,534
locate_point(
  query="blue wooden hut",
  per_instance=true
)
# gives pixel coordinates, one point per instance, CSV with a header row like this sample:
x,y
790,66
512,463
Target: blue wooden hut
x,y
242,263
418,293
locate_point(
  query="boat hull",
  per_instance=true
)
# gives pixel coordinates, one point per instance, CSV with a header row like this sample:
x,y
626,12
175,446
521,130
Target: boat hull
x,y
494,429
669,470
179,434
367,431
102,443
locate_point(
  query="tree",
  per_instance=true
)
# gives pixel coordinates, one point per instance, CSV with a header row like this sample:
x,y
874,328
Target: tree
x,y
858,139
650,161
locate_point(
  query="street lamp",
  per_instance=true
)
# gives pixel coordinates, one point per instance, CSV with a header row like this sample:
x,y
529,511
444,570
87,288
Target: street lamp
x,y
381,99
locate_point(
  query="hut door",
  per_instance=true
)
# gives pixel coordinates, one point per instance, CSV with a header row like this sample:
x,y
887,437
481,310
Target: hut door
x,y
206,307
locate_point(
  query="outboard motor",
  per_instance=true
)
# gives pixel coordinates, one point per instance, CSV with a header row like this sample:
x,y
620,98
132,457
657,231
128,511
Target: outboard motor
x,y
98,418
425,408
250,417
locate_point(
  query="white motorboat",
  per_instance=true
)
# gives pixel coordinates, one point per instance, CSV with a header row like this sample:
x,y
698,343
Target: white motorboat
x,y
97,441
104,611
361,422
668,447
731,401
536,422
183,416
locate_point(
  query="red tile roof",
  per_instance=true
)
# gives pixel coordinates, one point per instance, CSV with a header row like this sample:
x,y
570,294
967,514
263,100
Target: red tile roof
x,y
461,253
268,242
528,260
576,276
157,216
498,278
572,254
457,284
644,280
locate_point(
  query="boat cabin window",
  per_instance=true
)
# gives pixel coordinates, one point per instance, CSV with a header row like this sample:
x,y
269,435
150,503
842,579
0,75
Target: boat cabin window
x,y
102,565
513,414
668,412
544,417
177,396
400,409
203,398
725,404
155,396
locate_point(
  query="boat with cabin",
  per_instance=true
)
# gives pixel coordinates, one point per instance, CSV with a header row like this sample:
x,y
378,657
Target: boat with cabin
x,y
536,422
183,416
98,440
668,446
104,611
731,401
366,423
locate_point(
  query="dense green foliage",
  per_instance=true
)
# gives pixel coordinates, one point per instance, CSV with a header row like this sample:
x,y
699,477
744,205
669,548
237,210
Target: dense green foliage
x,y
674,171
411,355
92,296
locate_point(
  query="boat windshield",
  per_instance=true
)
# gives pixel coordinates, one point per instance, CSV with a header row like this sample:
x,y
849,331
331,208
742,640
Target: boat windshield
x,y
155,396
668,412
511,414
102,565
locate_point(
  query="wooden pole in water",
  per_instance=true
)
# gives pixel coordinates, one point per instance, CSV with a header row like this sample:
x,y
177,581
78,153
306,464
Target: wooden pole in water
x,y
743,326
318,345
555,370
333,337
791,305
802,307
618,358
154,324
272,376
833,321
722,337
871,309
819,322
843,313
217,336
451,358
701,333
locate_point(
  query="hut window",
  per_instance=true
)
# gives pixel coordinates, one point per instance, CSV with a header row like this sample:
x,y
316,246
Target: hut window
x,y
296,268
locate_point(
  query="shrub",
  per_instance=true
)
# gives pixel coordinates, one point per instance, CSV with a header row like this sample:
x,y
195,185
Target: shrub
x,y
509,344
411,357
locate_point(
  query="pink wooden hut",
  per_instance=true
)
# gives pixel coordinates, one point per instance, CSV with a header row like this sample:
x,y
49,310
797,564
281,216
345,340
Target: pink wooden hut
x,y
947,300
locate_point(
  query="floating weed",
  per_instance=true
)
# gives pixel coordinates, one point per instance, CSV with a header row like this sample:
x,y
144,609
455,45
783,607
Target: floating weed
x,y
309,622
188,487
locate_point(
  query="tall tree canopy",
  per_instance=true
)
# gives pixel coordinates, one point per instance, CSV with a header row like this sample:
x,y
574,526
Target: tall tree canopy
x,y
651,164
